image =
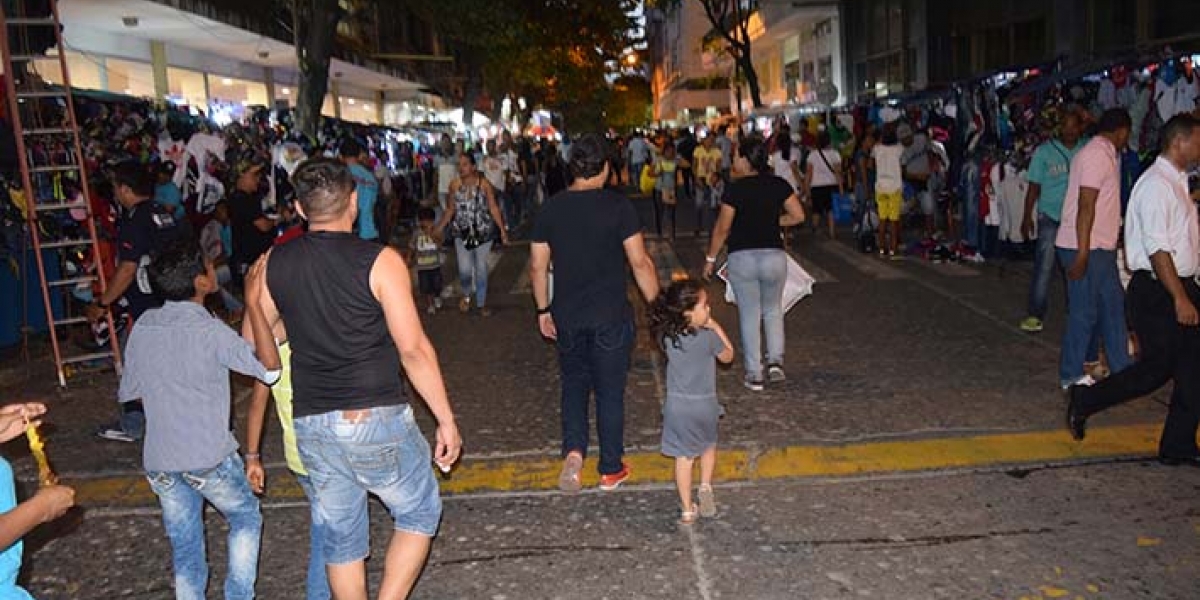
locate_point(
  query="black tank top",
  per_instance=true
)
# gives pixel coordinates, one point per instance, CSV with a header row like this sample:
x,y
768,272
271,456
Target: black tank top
x,y
343,357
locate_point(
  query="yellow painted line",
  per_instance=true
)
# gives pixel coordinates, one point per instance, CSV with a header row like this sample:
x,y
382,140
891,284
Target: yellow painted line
x,y
735,464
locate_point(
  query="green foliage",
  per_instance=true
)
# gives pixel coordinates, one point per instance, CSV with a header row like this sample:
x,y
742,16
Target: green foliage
x,y
629,103
556,53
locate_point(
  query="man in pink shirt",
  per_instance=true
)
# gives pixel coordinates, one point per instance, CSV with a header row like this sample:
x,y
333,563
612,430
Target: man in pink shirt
x,y
1087,249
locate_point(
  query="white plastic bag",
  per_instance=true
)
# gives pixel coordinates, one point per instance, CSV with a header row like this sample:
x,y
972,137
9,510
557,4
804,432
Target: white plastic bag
x,y
799,284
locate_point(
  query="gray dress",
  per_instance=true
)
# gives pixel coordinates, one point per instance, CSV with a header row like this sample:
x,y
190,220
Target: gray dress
x,y
691,411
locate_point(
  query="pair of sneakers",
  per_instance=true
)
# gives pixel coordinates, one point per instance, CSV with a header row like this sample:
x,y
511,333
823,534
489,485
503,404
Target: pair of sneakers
x,y
775,374
569,478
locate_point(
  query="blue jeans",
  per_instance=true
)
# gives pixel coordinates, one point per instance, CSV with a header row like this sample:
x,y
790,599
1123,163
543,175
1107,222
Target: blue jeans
x,y
131,415
316,586
595,359
757,277
224,278
1096,304
380,451
473,266
969,191
1043,266
635,173
182,496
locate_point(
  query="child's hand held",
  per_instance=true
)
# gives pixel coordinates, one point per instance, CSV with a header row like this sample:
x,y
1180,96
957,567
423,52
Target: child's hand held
x,y
55,501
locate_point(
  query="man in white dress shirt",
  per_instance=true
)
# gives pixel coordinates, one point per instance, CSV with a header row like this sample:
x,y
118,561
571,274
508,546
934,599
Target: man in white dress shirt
x,y
1162,247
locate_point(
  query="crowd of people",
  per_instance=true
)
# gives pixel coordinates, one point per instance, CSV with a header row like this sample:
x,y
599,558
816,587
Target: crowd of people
x,y
313,257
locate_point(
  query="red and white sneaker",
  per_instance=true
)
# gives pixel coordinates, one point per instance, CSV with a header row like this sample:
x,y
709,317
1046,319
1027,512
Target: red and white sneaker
x,y
612,481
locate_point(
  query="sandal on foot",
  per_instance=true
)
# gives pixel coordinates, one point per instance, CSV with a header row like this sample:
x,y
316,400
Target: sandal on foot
x,y
687,517
708,504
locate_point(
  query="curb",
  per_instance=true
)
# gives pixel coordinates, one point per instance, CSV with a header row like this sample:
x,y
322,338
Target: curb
x,y
738,464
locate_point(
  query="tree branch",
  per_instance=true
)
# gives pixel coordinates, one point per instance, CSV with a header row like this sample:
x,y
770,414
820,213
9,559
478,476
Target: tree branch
x,y
718,21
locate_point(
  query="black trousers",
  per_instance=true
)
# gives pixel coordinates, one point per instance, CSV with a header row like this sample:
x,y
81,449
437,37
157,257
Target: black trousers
x,y
1169,351
662,211
689,182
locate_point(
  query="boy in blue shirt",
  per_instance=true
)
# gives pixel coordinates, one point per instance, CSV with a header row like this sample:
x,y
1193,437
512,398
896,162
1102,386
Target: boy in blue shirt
x,y
177,361
167,193
16,520
367,187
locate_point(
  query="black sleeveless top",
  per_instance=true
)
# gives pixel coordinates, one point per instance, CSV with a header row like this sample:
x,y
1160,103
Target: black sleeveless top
x,y
343,357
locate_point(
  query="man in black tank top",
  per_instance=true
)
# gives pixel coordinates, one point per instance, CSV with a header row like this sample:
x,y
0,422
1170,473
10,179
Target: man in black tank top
x,y
351,322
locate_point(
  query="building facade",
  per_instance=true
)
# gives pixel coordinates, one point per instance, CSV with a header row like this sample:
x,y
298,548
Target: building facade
x,y
796,48
200,54
688,82
894,46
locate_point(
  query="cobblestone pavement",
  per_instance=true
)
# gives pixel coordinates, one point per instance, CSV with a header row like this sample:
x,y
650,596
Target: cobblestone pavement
x,y
903,352
1115,531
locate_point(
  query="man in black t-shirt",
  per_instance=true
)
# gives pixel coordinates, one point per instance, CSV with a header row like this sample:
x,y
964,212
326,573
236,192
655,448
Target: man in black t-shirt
x,y
590,232
687,149
253,231
144,227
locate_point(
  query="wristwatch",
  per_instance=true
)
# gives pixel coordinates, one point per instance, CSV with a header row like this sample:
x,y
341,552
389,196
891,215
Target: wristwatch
x,y
543,311
100,304
712,260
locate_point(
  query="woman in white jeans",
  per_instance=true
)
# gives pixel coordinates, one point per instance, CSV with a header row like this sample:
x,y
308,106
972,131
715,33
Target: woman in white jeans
x,y
475,218
755,209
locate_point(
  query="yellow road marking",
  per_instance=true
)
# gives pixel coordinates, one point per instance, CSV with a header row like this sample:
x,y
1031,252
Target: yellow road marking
x,y
735,464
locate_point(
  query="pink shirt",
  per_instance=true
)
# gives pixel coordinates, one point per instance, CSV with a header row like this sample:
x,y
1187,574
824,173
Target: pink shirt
x,y
1096,167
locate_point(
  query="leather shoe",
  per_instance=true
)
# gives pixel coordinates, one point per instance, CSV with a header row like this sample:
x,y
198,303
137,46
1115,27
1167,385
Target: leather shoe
x,y
1076,420
1174,461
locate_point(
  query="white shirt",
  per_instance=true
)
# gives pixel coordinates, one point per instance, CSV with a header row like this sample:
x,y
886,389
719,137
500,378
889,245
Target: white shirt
x,y
783,168
494,169
512,164
888,177
1162,218
822,175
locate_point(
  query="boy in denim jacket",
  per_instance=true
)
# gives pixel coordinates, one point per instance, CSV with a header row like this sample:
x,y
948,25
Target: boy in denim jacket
x,y
178,361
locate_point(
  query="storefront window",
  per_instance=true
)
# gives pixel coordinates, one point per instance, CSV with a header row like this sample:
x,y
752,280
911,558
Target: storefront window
x,y
285,96
130,78
237,91
187,87
360,110
229,98
83,70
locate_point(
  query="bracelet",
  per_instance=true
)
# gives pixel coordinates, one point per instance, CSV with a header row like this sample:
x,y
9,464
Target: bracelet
x,y
253,456
712,260
100,304
543,311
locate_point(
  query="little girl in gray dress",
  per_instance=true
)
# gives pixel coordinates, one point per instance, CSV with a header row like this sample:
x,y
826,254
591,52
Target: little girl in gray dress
x,y
692,341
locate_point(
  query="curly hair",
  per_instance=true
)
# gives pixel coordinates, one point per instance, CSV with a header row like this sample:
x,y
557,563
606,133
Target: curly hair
x,y
668,314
